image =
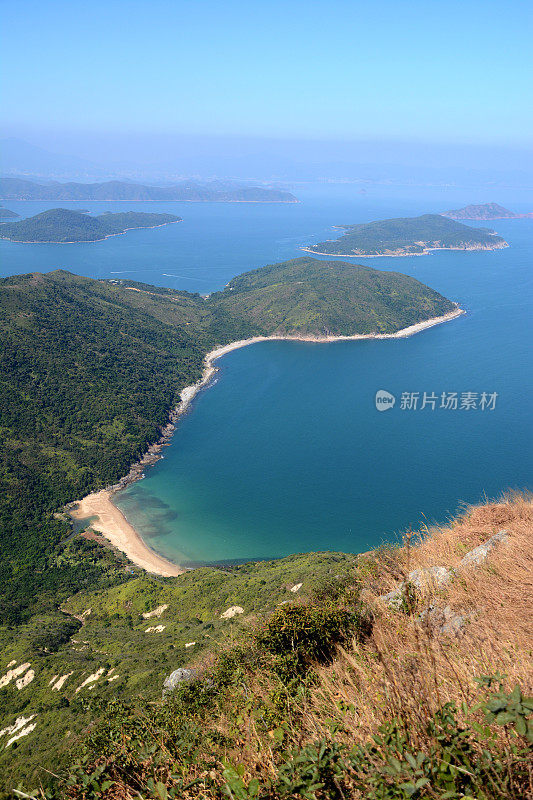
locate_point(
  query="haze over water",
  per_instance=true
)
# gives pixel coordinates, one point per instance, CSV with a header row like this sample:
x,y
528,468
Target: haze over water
x,y
285,451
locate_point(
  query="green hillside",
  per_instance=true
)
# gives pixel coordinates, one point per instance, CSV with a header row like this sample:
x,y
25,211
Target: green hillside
x,y
306,295
408,236
64,225
89,370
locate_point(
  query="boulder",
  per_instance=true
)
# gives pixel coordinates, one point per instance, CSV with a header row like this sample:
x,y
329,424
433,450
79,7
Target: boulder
x,y
180,675
478,555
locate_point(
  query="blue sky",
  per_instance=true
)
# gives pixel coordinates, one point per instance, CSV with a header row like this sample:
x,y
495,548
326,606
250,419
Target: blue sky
x,y
430,71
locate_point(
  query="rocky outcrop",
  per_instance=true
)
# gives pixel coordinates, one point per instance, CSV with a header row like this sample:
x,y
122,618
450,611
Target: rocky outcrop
x,y
478,555
442,620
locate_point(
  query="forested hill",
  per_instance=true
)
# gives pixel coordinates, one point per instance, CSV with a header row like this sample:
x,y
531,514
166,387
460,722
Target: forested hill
x,y
188,191
407,236
65,225
309,296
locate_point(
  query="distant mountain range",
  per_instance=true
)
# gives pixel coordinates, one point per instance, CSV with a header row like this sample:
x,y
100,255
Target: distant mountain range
x,y
189,191
485,211
408,236
66,226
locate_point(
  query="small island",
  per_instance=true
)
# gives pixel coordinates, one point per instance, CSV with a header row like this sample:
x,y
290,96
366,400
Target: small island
x,y
408,236
5,213
64,226
486,211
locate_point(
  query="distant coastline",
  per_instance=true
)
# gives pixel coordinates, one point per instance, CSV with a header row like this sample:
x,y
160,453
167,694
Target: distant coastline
x,y
399,254
111,522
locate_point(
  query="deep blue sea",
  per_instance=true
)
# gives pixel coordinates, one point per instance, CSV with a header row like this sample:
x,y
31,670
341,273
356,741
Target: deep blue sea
x,y
285,451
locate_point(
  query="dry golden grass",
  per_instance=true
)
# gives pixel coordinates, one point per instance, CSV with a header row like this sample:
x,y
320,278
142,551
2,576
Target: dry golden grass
x,y
407,666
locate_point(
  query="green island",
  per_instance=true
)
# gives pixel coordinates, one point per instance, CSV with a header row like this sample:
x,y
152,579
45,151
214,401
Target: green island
x,y
408,236
485,211
66,226
5,213
184,191
309,677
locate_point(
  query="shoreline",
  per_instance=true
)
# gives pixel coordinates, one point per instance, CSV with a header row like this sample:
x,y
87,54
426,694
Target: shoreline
x,y
425,252
112,523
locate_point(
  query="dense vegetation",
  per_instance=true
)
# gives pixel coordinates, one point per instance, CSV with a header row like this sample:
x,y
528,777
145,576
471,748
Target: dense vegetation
x,y
88,373
190,191
306,295
408,236
65,225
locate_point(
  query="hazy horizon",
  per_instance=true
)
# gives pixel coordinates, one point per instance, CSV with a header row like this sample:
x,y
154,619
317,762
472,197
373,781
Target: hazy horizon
x,y
401,92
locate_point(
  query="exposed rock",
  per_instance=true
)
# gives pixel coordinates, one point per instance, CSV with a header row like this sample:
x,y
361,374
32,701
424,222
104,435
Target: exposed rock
x,y
180,675
296,587
231,612
394,598
479,554
438,576
430,576
156,612
91,679
155,629
18,729
443,620
24,732
25,680
190,644
11,674
60,682
19,723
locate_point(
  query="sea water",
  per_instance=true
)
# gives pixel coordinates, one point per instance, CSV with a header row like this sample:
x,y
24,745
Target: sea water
x,y
285,451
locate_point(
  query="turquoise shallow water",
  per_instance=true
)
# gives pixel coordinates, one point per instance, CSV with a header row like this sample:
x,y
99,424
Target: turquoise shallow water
x,y
285,451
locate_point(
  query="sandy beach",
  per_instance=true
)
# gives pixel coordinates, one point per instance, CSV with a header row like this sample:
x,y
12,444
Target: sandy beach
x,y
107,519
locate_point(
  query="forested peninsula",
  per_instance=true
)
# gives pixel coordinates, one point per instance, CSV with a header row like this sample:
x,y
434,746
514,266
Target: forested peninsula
x,y
65,226
408,236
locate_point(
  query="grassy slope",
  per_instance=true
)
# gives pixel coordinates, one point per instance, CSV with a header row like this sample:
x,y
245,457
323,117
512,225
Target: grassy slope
x,y
408,235
270,715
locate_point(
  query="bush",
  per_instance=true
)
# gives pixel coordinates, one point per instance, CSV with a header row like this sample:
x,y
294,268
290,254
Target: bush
x,y
301,635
